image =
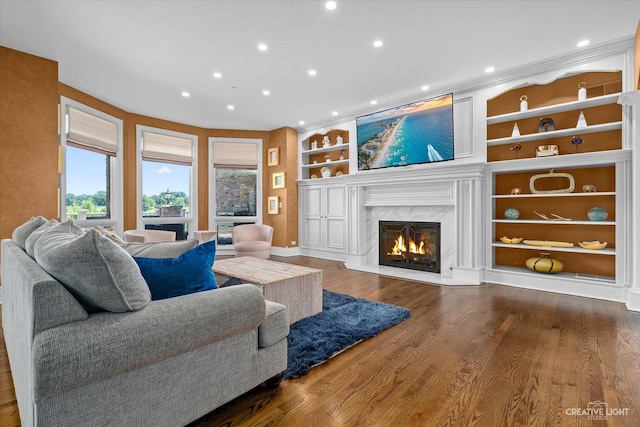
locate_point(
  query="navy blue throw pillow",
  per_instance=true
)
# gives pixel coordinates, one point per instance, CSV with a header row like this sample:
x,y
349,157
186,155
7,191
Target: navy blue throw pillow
x,y
189,273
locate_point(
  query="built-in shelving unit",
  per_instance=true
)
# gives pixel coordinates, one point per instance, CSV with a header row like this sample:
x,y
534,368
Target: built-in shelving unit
x,y
333,155
598,161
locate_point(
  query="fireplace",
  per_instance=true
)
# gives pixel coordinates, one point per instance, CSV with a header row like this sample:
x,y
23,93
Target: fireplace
x,y
413,245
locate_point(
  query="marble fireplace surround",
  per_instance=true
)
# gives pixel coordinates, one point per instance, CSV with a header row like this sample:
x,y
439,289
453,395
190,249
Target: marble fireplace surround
x,y
450,195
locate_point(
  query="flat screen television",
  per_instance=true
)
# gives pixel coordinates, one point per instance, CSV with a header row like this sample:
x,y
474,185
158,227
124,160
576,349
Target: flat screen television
x,y
419,132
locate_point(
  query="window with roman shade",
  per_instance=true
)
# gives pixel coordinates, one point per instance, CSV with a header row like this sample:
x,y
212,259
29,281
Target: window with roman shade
x,y
235,155
235,184
90,166
157,147
167,180
91,132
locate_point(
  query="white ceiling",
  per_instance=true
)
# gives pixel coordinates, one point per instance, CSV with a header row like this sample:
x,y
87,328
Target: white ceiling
x,y
140,55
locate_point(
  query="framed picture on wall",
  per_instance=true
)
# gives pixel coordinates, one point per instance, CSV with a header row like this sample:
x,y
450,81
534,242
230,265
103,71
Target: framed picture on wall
x,y
273,156
273,205
278,180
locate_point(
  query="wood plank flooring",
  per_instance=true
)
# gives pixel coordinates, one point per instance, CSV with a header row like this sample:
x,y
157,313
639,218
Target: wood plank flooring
x,y
468,356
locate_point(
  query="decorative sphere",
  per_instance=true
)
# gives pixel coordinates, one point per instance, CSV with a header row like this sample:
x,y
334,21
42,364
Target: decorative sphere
x,y
515,191
511,213
597,214
544,264
589,188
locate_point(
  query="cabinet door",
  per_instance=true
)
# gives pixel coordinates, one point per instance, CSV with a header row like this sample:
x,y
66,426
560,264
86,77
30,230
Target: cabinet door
x,y
312,220
335,217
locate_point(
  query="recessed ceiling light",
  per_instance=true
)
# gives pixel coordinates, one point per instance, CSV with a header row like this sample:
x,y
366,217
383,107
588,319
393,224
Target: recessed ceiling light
x,y
489,69
373,102
266,92
335,113
378,43
331,5
312,72
185,94
583,43
425,87
230,107
301,122
217,75
263,47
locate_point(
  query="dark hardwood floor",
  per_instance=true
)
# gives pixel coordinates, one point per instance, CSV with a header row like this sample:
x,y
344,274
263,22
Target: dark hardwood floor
x,y
468,356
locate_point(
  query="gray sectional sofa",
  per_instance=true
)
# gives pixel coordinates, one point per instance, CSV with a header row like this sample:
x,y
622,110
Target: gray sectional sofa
x,y
166,364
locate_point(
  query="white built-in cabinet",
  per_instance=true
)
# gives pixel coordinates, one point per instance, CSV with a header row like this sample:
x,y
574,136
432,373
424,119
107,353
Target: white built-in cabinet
x,y
323,217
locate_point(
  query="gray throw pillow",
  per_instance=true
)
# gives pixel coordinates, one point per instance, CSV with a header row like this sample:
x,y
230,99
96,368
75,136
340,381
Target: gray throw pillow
x,y
99,273
160,249
23,231
30,243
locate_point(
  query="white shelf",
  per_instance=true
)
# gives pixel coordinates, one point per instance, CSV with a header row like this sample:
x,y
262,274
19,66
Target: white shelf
x,y
336,147
575,249
551,222
552,109
526,196
328,164
556,134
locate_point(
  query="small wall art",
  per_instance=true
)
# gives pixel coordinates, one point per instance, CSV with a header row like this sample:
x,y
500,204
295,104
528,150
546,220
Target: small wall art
x,y
277,180
273,205
273,156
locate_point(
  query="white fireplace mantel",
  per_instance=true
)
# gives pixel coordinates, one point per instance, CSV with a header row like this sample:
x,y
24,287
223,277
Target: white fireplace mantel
x,y
447,193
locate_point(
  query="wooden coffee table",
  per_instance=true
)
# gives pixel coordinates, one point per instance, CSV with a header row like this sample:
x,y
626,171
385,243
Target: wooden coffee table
x,y
299,288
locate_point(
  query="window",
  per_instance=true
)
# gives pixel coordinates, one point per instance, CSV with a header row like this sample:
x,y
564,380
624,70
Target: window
x,y
167,181
90,179
235,174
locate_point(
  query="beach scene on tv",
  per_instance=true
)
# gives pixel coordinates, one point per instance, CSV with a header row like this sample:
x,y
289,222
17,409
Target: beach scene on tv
x,y
420,132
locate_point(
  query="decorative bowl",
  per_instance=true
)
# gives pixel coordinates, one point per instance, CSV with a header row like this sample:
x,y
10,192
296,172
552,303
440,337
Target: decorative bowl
x,y
597,214
511,240
593,245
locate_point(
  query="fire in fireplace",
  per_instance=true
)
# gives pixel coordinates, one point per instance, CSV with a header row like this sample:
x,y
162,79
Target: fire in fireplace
x,y
413,245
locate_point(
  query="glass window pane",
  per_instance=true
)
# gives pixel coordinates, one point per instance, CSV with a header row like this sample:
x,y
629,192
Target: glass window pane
x,y
236,192
88,184
165,188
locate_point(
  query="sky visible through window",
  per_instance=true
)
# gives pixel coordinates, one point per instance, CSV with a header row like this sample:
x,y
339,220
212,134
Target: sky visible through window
x,y
86,174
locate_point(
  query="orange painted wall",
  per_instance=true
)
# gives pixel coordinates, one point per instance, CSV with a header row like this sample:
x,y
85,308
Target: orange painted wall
x,y
286,220
29,99
28,138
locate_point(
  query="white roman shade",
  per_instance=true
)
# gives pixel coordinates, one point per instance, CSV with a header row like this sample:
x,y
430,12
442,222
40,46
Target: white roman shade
x,y
168,149
235,155
91,132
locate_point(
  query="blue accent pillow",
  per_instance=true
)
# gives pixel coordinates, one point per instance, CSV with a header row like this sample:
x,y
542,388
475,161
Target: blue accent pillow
x,y
189,273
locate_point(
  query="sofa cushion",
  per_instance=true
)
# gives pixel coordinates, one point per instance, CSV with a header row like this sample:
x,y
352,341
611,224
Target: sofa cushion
x,y
251,246
99,273
30,243
189,273
159,249
23,231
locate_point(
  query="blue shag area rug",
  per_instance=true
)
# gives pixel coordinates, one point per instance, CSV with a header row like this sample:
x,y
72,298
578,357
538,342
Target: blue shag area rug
x,y
343,322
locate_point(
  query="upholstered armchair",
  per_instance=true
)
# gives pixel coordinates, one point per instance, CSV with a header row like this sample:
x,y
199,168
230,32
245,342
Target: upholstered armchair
x,y
147,236
252,240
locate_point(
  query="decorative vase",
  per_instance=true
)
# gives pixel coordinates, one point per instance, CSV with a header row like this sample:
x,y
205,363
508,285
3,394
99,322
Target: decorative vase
x,y
524,105
326,173
511,213
582,91
325,141
544,264
339,140
597,214
314,145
